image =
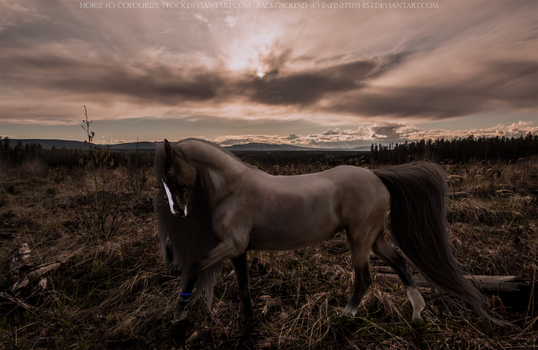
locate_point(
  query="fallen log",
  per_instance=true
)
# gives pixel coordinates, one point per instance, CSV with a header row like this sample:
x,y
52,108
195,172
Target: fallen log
x,y
24,272
516,294
34,274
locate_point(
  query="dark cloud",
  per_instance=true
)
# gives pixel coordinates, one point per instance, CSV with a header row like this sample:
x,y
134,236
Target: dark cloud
x,y
144,84
514,83
347,86
309,86
276,59
164,84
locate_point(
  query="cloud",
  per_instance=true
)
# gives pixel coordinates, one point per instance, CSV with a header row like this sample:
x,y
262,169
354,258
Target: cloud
x,y
292,137
410,132
385,130
331,132
379,132
244,139
331,138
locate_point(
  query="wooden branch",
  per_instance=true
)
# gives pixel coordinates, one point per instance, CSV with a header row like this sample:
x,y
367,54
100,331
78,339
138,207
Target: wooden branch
x,y
33,272
515,293
14,300
40,270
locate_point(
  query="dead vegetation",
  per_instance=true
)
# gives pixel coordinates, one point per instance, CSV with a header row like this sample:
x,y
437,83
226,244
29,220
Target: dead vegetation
x,y
91,276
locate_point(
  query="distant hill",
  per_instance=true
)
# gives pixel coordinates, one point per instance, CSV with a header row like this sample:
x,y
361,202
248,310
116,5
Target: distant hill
x,y
360,148
251,147
132,146
266,147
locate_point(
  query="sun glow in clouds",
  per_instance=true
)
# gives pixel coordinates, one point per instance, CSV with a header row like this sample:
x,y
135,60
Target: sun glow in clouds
x,y
260,74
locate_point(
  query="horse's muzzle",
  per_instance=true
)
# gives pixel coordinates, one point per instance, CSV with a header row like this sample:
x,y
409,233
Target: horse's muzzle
x,y
180,213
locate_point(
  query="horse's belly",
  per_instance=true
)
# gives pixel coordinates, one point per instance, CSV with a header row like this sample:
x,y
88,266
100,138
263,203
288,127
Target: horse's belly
x,y
282,234
292,214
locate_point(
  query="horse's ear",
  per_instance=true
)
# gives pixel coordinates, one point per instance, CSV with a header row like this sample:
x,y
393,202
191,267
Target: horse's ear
x,y
168,148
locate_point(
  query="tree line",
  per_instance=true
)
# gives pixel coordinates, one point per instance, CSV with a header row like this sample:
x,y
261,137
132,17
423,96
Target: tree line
x,y
489,149
14,156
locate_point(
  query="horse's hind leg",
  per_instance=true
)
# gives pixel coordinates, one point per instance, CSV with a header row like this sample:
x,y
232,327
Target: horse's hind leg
x,y
241,270
360,257
363,279
385,251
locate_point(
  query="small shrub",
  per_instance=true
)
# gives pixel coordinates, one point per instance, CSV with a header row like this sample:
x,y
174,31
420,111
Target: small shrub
x,y
100,270
58,176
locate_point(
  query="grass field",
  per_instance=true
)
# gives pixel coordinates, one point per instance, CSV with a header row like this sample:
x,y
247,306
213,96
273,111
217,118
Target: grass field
x,y
102,283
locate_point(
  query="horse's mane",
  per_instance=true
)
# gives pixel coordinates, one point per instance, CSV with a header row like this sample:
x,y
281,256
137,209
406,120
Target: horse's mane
x,y
211,144
177,145
190,237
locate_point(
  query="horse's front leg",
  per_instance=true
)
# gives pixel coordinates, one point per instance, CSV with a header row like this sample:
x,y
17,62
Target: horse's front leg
x,y
241,270
224,250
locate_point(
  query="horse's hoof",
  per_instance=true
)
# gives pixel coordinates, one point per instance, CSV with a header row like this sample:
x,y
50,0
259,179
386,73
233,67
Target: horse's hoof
x,y
247,320
349,312
417,319
180,316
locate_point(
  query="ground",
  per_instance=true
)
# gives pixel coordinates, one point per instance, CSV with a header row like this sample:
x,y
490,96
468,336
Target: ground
x,y
102,283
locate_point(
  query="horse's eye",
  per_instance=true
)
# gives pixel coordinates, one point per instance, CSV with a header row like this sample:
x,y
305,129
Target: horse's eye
x,y
170,174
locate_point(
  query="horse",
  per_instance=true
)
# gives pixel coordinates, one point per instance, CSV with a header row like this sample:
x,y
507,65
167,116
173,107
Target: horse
x,y
219,208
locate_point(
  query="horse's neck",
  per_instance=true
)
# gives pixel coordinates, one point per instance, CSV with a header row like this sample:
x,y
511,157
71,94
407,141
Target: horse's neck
x,y
209,156
215,167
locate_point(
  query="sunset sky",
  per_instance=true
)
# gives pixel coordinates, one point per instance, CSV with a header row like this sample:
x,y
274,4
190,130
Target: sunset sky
x,y
314,76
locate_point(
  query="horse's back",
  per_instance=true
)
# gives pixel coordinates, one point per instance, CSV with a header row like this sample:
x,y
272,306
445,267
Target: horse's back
x,y
340,186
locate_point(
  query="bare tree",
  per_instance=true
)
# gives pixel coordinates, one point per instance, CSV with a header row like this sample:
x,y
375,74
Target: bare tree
x,y
86,128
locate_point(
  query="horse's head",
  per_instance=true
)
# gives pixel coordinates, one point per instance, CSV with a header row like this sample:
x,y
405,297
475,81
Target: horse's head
x,y
179,180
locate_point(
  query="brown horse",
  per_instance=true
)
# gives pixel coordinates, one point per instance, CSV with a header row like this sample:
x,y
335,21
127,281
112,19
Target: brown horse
x,y
220,208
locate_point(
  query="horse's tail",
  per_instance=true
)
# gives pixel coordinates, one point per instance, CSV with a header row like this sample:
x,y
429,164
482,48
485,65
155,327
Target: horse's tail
x,y
418,225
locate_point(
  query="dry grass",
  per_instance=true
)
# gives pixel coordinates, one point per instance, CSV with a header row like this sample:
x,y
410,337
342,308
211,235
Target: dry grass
x,y
111,289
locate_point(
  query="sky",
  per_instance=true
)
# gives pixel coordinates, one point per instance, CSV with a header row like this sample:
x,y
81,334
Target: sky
x,y
301,73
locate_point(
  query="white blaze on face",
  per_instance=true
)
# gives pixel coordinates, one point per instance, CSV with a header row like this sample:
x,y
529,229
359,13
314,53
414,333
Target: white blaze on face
x,y
170,201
